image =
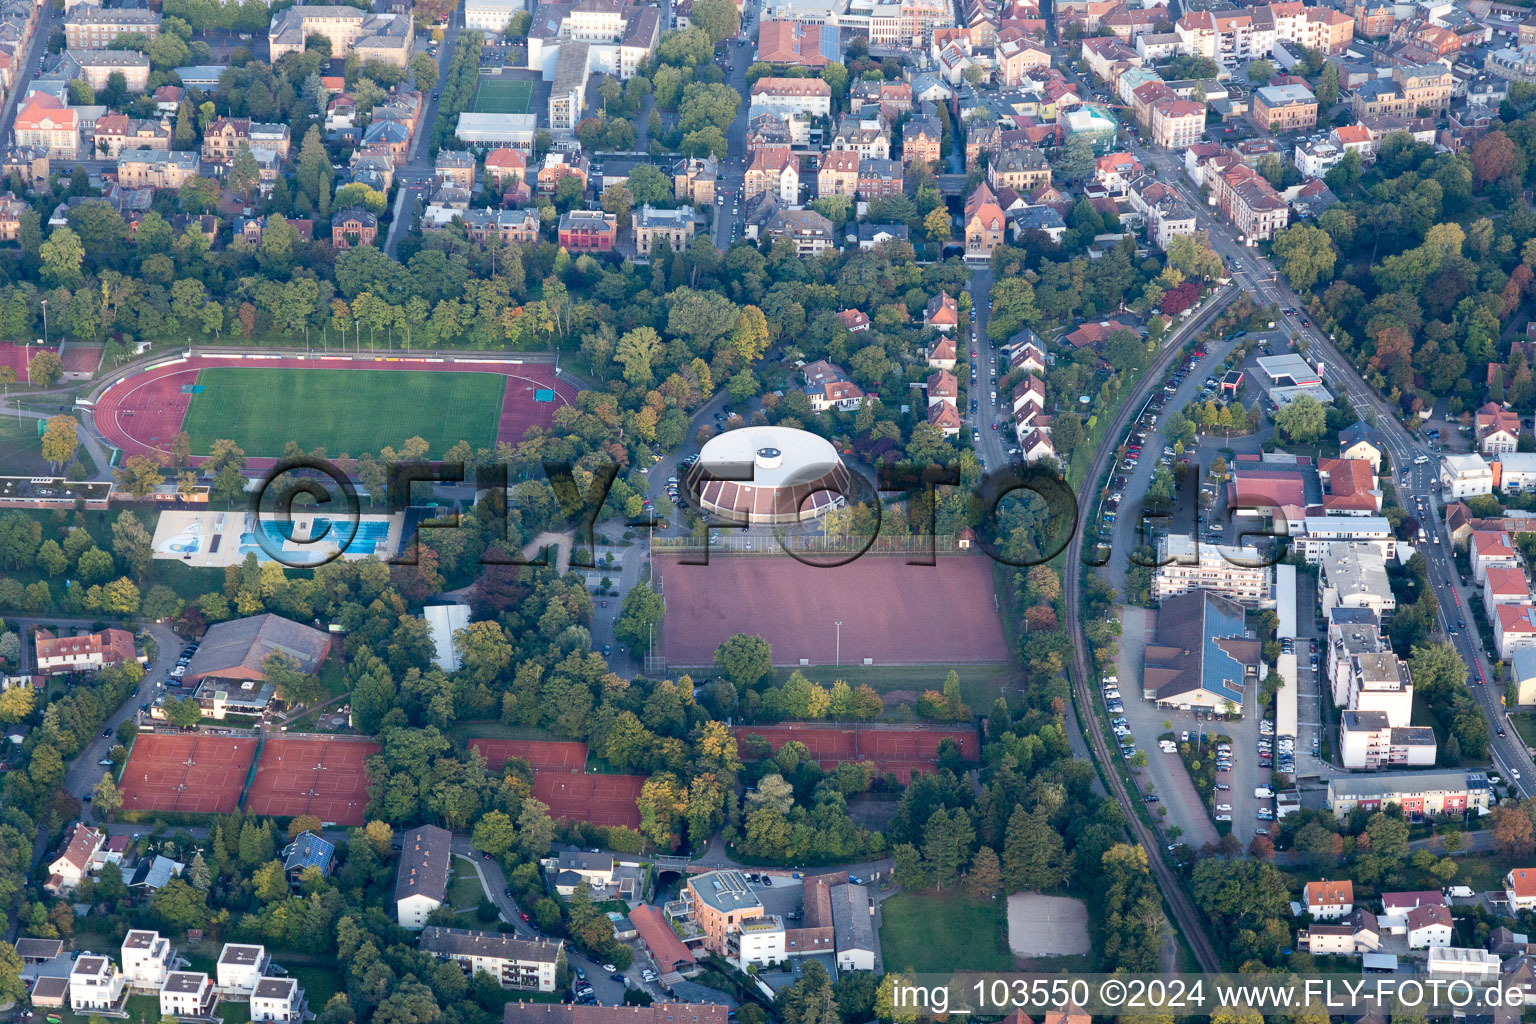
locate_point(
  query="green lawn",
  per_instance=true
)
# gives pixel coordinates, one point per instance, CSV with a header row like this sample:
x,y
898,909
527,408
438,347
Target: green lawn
x,y
21,450
464,889
943,932
342,411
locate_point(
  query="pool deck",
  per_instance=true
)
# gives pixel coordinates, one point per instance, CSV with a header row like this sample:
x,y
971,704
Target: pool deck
x,y
212,539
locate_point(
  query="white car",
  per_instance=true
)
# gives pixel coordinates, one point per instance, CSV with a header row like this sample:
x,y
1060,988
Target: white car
x,y
609,968
1224,808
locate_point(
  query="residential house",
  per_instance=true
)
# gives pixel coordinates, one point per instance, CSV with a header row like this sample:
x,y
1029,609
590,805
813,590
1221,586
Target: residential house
x,y
1329,900
1492,548
87,653
920,142
1520,888
1284,108
156,168
1498,429
1514,630
278,1000
1022,169
308,851
67,870
809,231
652,224
353,227
792,96
95,983
1429,926
985,225
147,959
1464,476
942,312
776,171
187,994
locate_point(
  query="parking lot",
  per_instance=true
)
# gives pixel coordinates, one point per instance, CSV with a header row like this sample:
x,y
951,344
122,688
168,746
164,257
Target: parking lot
x,y
1165,774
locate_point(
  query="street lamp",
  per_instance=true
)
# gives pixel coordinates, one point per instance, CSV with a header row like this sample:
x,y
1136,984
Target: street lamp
x,y
45,321
837,656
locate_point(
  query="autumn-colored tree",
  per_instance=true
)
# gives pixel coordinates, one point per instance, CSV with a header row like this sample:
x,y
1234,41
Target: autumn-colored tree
x,y
1493,157
1394,346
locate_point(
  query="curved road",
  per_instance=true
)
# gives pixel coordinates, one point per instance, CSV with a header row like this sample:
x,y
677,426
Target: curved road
x,y
1083,684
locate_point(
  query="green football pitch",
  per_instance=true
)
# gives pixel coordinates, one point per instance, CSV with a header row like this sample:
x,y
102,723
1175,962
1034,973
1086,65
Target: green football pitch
x,y
342,411
503,96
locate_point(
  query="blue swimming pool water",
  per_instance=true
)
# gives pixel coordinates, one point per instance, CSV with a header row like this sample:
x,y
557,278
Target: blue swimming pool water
x,y
369,538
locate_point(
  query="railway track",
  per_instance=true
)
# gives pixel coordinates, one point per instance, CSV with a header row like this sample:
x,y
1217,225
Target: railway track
x,y
1084,683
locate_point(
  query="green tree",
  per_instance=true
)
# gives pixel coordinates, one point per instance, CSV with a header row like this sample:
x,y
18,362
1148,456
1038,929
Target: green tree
x,y
62,255
1303,421
424,71
1306,255
1261,71
494,833
718,18
179,906
106,797
244,174
12,988
744,659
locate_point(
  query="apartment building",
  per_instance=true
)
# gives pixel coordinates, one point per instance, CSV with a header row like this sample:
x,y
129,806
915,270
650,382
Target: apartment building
x,y
1465,476
1420,794
838,174
421,879
921,139
155,168
776,171
718,903
1367,741
1248,200
1022,169
96,67
588,231
1284,108
241,966
986,227
92,27
808,231
1235,573
519,226
1176,123
225,135
515,963
1489,548
1371,680
115,133
1355,576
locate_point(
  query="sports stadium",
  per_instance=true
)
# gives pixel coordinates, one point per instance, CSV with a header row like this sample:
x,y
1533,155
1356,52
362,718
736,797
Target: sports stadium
x,y
348,404
769,475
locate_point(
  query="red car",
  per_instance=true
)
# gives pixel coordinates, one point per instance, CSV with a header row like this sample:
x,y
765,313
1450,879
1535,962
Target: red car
x,y
524,917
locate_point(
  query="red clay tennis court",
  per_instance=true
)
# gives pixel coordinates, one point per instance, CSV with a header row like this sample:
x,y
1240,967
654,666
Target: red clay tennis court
x,y
77,359
186,772
891,613
320,775
553,755
600,799
901,749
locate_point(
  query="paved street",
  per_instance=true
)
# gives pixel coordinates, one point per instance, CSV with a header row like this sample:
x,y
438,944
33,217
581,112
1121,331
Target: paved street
x,y
1257,277
413,179
733,169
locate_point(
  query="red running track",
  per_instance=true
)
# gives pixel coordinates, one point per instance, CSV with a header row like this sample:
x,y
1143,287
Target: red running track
x,y
142,414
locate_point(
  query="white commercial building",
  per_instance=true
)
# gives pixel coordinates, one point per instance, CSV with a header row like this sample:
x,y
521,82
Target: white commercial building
x,y
491,15
1315,534
758,940
1516,472
1465,476
515,131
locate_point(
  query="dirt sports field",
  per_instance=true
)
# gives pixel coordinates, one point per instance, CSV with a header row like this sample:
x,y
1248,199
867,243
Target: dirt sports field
x,y
902,749
144,412
1046,925
186,772
892,613
323,776
560,780
77,359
